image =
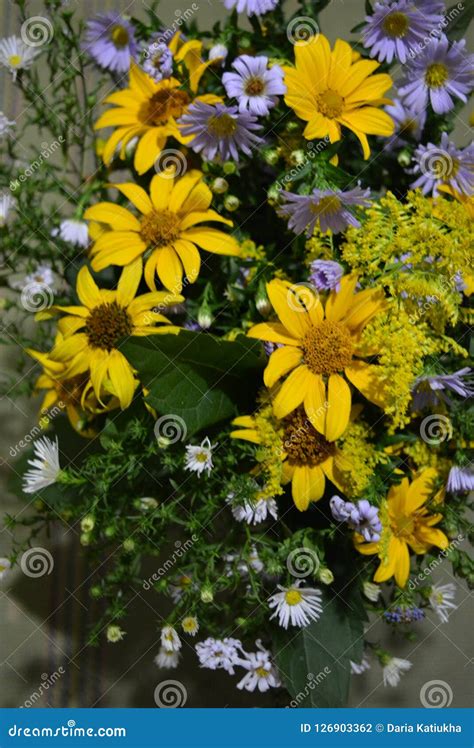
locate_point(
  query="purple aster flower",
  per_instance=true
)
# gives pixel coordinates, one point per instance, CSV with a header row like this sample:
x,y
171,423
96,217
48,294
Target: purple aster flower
x,y
220,130
329,207
404,614
438,72
251,7
409,123
444,164
254,85
110,41
326,275
365,520
158,60
429,391
460,479
341,510
396,28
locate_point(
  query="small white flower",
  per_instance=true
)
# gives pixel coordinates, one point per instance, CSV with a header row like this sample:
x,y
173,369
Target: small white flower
x,y
219,653
371,591
45,468
166,659
261,673
253,511
199,458
393,670
252,561
6,126
115,634
170,639
16,55
441,597
7,202
190,625
361,667
295,606
218,51
5,567
75,232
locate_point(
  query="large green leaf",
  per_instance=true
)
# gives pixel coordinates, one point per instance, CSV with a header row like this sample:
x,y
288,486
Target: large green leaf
x,y
315,664
196,376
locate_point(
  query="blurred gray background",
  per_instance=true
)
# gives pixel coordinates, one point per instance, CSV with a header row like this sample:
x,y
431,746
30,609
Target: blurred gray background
x,y
43,621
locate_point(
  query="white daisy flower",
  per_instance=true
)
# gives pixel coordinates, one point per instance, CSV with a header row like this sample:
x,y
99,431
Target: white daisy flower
x,y
361,667
261,673
45,468
199,458
5,567
441,597
219,653
393,669
75,232
170,639
6,126
7,202
16,55
253,511
295,606
371,591
166,659
190,625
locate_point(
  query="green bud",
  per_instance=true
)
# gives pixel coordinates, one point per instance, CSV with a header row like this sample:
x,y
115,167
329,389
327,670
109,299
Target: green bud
x,y
114,634
404,157
85,538
271,156
297,157
205,317
231,203
129,545
110,531
262,301
326,576
87,523
220,185
229,167
207,595
95,592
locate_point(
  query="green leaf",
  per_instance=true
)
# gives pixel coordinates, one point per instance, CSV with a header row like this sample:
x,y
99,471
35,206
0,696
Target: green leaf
x,y
196,376
315,664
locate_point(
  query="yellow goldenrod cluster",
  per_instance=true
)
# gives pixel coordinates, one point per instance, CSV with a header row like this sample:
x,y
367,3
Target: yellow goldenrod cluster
x,y
269,452
362,456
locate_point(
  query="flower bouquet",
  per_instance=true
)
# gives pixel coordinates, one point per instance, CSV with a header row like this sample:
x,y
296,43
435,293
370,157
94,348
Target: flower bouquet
x,y
239,273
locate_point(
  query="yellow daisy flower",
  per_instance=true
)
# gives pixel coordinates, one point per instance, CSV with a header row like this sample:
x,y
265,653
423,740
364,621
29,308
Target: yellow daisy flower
x,y
93,331
333,88
318,345
307,457
146,110
167,229
406,524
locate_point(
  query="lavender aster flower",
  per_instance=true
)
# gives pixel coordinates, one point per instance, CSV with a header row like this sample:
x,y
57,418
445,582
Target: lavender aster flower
x,y
428,391
460,479
396,28
329,207
220,131
158,60
326,275
254,85
341,510
409,122
365,520
110,41
444,165
251,7
438,72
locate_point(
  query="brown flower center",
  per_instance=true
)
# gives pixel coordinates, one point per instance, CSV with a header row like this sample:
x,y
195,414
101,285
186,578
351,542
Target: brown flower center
x,y
119,36
327,347
254,86
302,443
160,228
436,75
107,324
221,125
330,103
395,24
70,391
165,103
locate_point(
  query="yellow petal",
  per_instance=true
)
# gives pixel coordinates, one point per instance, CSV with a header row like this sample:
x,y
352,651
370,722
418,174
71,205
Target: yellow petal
x,y
281,362
160,190
420,490
247,422
273,332
121,377
339,407
213,240
137,196
315,403
140,81
248,435
199,199
190,257
69,348
117,217
98,370
129,282
200,216
87,289
170,270
399,550
291,313
182,188
301,487
116,248
369,120
339,302
364,377
292,392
